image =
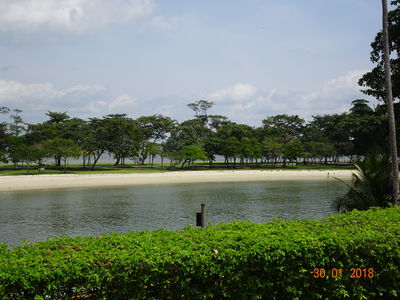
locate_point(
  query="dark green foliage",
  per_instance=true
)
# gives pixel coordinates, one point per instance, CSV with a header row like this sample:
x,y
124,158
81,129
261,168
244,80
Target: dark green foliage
x,y
325,139
371,186
120,135
373,82
283,126
332,129
293,149
367,128
3,144
253,261
19,150
191,153
201,107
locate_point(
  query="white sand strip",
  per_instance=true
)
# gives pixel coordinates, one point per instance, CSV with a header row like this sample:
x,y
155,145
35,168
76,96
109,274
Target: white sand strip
x,y
35,182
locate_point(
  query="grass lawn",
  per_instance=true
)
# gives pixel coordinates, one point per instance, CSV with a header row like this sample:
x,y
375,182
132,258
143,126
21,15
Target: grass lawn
x,y
98,170
6,170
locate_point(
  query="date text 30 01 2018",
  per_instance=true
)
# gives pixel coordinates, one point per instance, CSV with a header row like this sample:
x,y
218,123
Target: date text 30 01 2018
x,y
339,273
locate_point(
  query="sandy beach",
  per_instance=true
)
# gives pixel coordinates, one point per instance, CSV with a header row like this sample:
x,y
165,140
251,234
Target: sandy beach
x,y
35,182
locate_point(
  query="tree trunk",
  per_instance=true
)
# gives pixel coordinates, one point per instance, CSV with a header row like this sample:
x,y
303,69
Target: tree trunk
x,y
96,158
389,96
184,162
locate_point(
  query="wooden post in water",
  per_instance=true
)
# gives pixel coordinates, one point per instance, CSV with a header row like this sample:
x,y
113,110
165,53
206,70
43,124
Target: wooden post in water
x,y
203,215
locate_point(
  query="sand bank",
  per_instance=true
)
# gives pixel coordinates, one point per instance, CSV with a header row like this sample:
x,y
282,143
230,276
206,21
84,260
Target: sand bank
x,y
35,182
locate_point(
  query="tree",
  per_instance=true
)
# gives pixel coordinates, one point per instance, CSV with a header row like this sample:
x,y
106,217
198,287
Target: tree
x,y
318,150
63,148
250,149
34,154
17,126
153,128
239,131
293,149
57,117
189,132
54,127
191,153
17,149
93,143
154,149
216,121
366,128
201,107
2,145
235,140
272,149
31,154
231,148
121,136
389,99
373,82
3,110
20,151
335,129
283,126
371,185
378,82
212,147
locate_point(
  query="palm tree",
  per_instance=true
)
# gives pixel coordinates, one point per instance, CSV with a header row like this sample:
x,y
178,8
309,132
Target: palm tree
x,y
389,98
371,185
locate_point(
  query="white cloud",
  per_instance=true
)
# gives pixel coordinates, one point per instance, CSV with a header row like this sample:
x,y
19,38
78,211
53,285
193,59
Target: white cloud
x,y
84,101
237,92
243,103
12,91
333,97
251,105
121,102
347,81
338,87
69,15
163,24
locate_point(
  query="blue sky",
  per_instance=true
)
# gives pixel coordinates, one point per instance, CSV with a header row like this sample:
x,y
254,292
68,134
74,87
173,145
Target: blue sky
x,y
253,58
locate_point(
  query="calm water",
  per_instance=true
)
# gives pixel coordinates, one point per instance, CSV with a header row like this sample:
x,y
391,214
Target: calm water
x,y
38,215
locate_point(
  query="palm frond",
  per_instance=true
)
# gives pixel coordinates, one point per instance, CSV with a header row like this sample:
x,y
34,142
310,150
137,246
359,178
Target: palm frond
x,y
370,186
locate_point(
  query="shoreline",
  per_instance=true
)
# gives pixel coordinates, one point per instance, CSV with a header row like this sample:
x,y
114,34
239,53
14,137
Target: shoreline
x,y
65,181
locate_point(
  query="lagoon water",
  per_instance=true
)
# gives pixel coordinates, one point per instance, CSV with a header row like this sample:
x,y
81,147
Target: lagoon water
x,y
38,215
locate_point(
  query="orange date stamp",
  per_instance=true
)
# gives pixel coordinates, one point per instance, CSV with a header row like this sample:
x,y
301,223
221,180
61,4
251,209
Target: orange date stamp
x,y
355,273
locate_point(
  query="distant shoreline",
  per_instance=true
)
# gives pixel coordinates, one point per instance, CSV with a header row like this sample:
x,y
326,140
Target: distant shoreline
x,y
45,182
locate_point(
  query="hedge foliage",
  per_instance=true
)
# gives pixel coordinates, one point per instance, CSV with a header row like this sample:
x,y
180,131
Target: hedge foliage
x,y
239,260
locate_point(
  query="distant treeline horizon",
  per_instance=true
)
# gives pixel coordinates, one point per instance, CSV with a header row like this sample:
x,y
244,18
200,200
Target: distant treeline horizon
x,y
281,138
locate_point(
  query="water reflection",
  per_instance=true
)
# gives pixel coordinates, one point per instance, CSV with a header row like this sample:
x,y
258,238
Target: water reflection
x,y
37,215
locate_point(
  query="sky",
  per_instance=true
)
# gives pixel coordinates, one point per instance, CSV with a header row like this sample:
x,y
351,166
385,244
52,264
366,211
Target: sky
x,y
252,58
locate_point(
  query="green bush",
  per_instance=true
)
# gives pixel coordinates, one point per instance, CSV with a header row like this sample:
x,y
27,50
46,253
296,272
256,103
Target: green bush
x,y
239,260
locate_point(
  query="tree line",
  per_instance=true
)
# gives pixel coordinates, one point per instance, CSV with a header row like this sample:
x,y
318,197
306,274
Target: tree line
x,y
281,139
